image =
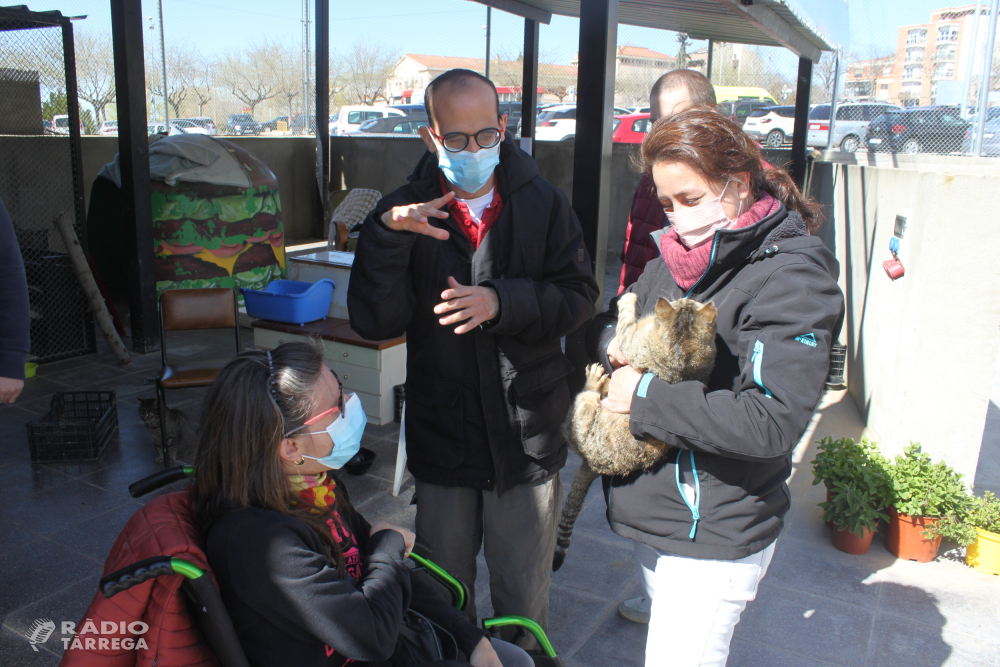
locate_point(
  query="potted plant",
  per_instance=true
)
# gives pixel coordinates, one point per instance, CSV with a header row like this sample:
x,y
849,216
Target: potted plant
x,y
984,517
929,502
858,490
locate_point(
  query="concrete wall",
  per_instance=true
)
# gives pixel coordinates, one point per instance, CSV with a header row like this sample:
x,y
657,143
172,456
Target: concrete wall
x,y
921,350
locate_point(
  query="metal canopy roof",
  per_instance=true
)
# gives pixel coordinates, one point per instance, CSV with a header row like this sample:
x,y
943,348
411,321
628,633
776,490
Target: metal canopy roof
x,y
807,27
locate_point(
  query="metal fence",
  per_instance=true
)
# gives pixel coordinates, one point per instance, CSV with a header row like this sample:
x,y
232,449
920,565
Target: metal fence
x,y
40,179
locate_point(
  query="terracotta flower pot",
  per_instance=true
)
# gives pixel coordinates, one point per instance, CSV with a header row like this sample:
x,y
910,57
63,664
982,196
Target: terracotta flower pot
x,y
984,553
848,542
904,537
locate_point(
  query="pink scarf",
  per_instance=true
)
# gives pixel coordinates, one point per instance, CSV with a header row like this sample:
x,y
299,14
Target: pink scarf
x,y
688,265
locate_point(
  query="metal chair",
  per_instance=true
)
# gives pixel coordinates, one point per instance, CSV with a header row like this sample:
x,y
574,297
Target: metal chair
x,y
191,310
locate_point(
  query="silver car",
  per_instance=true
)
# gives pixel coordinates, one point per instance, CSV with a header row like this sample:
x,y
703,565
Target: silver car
x,y
850,127
991,138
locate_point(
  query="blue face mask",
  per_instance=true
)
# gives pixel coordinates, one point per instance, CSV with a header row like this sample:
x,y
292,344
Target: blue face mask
x,y
345,431
468,171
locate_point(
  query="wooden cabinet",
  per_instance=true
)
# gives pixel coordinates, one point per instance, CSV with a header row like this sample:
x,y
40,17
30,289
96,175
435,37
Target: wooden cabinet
x,y
370,368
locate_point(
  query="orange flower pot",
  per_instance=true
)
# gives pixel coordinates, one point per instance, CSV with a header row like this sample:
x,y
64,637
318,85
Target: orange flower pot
x,y
848,542
904,537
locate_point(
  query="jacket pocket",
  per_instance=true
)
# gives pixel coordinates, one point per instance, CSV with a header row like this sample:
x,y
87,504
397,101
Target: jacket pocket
x,y
435,420
541,400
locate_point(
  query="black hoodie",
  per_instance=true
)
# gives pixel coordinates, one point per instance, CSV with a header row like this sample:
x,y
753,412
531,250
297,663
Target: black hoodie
x,y
779,309
483,408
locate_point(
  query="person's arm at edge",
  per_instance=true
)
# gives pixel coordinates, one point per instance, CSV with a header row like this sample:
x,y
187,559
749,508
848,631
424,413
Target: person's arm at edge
x,y
15,319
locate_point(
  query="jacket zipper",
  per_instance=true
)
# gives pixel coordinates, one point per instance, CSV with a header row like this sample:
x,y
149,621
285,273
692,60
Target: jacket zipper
x,y
715,246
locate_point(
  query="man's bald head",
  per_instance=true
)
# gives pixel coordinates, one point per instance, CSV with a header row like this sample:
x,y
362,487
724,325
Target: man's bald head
x,y
678,91
458,82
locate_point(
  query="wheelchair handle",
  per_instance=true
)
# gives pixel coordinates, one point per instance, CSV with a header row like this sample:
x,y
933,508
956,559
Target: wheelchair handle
x,y
526,623
159,479
443,576
144,570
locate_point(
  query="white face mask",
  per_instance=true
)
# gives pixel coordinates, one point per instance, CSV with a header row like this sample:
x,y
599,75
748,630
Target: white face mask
x,y
697,224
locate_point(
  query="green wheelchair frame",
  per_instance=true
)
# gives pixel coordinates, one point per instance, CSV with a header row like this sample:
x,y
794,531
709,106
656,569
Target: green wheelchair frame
x,y
210,613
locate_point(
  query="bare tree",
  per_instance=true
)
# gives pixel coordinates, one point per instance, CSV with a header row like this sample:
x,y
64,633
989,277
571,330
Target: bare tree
x,y
364,70
95,71
824,77
202,83
252,75
682,54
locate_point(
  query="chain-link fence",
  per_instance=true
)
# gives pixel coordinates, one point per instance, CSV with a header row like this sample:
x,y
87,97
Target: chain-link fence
x,y
38,182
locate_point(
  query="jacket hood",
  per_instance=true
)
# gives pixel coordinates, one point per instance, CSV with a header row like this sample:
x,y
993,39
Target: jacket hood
x,y
516,168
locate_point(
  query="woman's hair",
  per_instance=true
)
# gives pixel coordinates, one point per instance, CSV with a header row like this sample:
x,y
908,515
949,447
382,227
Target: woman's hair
x,y
248,410
717,148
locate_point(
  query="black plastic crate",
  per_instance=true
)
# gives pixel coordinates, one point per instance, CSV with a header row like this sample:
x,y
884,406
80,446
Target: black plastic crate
x,y
77,427
838,364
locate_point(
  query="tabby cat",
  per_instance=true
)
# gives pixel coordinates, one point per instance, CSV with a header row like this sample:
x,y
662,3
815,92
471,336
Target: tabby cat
x,y
181,437
674,343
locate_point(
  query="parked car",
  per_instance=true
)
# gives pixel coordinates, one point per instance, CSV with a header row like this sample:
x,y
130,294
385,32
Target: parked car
x,y
350,118
850,127
771,125
240,124
410,109
156,128
185,126
60,124
739,110
991,138
932,129
47,126
272,124
392,126
641,110
205,122
303,124
556,123
108,128
630,128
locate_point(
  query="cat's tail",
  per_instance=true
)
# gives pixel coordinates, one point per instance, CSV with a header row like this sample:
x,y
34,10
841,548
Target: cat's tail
x,y
571,510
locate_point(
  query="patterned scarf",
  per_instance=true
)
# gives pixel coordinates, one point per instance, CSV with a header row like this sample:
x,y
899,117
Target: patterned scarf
x,y
319,492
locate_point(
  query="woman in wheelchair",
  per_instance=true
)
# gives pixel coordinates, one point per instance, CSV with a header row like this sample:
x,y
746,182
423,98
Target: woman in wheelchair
x,y
306,579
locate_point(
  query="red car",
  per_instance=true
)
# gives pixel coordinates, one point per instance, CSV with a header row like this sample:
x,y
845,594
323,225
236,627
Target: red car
x,y
630,128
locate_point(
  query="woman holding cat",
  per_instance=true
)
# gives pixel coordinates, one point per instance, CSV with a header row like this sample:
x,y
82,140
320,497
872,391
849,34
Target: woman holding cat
x,y
704,521
306,580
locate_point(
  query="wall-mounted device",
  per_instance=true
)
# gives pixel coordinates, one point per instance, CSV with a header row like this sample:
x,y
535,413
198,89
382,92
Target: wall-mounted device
x,y
894,267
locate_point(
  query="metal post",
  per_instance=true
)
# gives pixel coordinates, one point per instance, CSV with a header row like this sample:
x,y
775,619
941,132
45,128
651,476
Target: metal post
x,y
163,62
837,73
133,155
984,80
592,155
967,86
529,85
73,111
489,28
804,82
323,106
708,61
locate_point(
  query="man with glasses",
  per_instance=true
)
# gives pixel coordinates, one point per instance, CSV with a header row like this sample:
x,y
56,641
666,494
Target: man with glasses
x,y
481,263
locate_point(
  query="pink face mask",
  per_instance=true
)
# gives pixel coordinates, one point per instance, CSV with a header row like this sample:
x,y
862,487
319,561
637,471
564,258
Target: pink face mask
x,y
697,224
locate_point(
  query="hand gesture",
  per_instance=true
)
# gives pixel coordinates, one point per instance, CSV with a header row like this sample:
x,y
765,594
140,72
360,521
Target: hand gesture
x,y
474,304
408,537
413,217
620,390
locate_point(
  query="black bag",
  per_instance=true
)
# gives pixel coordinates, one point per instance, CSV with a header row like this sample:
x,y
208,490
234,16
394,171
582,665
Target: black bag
x,y
423,641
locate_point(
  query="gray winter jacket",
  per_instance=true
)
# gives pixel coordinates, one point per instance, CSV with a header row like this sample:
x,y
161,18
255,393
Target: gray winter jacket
x,y
779,311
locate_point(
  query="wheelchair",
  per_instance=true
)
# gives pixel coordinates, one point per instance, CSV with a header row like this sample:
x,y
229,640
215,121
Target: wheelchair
x,y
205,605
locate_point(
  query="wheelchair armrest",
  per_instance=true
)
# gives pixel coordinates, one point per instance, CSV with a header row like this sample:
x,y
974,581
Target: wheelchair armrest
x,y
144,570
526,623
159,479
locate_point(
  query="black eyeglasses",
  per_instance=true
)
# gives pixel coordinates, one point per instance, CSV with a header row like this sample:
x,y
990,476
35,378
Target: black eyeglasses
x,y
455,142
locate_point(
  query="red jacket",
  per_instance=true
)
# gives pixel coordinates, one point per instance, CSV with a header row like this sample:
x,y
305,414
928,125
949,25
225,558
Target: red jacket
x,y
645,217
165,526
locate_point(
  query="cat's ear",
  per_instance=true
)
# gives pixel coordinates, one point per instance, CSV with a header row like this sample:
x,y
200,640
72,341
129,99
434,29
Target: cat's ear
x,y
707,311
663,309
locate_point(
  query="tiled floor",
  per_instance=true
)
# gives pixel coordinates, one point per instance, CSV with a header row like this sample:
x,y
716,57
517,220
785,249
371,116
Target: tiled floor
x,y
817,606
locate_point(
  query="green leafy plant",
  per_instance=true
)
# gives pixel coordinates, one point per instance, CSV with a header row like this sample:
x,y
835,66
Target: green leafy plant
x,y
924,488
984,513
855,473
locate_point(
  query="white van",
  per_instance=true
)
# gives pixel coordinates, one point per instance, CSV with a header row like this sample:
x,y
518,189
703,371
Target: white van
x,y
350,118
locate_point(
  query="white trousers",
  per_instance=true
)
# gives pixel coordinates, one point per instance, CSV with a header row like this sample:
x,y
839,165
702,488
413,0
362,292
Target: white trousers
x,y
696,604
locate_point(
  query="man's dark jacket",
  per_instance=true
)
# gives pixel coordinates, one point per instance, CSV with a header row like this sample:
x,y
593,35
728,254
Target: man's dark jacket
x,y
14,319
483,409
780,310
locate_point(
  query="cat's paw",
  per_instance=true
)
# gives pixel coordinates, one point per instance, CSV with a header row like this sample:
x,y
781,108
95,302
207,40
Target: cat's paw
x,y
595,378
627,301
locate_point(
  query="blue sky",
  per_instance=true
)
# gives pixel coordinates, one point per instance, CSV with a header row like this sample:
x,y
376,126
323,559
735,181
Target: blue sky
x,y
445,27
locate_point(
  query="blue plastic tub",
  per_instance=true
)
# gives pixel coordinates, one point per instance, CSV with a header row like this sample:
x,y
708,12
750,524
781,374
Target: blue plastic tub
x,y
290,301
